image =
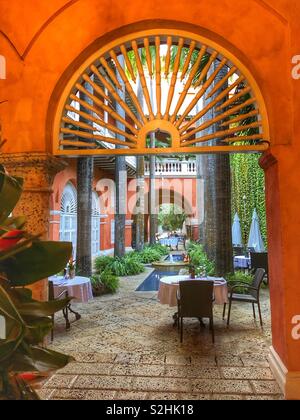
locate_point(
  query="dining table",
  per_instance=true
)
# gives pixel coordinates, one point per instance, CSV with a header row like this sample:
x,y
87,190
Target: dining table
x,y
241,261
80,288
171,242
168,286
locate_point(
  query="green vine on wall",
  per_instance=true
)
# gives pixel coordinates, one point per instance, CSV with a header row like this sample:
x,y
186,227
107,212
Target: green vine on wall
x,y
248,192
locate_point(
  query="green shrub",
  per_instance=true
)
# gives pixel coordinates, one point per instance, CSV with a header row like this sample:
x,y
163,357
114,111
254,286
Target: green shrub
x,y
132,266
132,263
117,267
163,250
149,255
110,281
97,285
125,266
199,258
237,277
102,262
106,282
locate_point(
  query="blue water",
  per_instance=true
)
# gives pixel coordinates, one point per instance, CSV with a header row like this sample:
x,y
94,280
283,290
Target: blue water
x,y
151,283
176,258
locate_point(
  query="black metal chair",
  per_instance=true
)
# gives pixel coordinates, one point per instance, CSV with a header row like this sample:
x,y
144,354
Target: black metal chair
x,y
238,250
62,295
251,249
252,296
195,300
259,260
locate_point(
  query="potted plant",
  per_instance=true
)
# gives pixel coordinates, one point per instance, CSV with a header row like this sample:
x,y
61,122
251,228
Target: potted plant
x,y
192,271
24,260
199,261
71,268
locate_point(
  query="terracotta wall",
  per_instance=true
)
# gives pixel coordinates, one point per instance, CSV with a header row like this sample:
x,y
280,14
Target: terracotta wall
x,y
44,42
69,175
50,38
181,187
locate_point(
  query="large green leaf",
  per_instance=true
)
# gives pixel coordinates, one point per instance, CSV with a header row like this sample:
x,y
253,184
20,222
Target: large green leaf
x,y
30,308
37,330
13,223
36,309
7,306
15,331
40,360
10,192
21,295
41,260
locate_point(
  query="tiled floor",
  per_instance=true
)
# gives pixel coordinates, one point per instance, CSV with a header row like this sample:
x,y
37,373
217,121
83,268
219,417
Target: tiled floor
x,y
127,348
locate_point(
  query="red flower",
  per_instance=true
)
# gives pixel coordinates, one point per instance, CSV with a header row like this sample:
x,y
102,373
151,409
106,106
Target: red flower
x,y
28,377
9,239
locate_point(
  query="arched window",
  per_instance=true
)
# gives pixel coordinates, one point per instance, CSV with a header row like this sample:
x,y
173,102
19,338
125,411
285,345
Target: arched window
x,y
95,224
68,216
112,231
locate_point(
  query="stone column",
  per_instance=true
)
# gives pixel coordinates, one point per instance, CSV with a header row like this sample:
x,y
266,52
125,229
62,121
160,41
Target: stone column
x,y
38,171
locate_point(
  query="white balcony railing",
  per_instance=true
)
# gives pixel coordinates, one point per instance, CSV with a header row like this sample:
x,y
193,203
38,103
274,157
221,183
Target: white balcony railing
x,y
173,168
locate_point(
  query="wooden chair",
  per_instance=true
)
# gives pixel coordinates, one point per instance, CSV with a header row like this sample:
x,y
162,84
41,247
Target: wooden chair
x,y
238,250
62,295
252,296
259,260
195,300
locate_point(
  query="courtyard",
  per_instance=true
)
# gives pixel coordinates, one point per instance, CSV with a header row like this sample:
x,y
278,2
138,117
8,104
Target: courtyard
x,y
149,180
126,347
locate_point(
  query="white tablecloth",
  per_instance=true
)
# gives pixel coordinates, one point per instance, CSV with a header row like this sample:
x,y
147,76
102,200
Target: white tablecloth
x,y
168,286
79,288
241,261
173,242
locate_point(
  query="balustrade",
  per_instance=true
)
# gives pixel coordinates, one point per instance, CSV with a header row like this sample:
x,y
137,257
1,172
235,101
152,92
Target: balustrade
x,y
172,168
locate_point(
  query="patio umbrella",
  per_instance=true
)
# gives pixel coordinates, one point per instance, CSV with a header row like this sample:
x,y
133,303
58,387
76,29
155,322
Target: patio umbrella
x,y
236,232
255,239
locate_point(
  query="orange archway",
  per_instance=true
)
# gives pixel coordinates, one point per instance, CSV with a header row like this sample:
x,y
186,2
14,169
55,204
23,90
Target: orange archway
x,y
44,52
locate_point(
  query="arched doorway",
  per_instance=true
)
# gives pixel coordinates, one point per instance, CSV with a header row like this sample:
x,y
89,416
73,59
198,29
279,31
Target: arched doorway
x,y
68,215
84,135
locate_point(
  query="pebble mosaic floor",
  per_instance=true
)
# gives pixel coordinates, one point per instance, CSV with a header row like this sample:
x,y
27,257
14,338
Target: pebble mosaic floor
x,y
126,347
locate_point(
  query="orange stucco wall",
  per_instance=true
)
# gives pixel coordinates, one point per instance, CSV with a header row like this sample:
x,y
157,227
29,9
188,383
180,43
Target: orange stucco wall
x,y
183,187
69,175
44,42
50,38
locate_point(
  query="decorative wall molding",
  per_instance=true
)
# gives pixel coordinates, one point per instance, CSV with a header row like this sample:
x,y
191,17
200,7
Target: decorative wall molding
x,y
271,9
289,382
24,54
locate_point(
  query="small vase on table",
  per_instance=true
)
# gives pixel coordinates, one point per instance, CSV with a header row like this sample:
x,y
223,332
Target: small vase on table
x,y
192,272
71,269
